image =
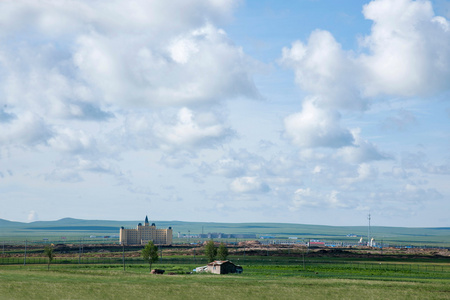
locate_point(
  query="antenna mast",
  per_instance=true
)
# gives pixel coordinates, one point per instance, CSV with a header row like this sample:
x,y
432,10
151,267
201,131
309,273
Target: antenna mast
x,y
368,232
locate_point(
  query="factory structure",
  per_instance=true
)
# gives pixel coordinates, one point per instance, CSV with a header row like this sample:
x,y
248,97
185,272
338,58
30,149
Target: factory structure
x,y
145,233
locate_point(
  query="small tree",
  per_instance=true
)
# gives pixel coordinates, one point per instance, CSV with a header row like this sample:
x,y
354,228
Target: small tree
x,y
210,251
150,253
48,251
222,252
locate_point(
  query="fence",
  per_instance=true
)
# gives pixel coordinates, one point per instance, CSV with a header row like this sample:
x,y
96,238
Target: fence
x,y
306,264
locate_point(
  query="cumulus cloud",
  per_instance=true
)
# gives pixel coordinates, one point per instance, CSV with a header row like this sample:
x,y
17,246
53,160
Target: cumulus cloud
x,y
33,216
194,67
190,130
307,197
360,151
75,60
249,185
409,49
365,172
72,141
322,68
407,53
316,127
26,130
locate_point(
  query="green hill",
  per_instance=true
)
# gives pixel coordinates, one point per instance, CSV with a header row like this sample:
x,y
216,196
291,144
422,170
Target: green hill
x,y
77,228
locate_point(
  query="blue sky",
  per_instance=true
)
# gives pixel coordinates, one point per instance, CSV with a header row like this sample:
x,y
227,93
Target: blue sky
x,y
314,112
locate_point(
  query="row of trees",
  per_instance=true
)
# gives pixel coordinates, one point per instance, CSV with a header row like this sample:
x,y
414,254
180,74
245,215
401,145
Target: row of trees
x,y
211,251
150,253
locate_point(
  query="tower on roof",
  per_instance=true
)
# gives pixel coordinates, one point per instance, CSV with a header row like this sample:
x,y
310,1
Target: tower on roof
x,y
146,221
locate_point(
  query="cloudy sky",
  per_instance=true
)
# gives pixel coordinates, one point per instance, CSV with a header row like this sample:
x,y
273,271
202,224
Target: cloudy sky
x,y
306,111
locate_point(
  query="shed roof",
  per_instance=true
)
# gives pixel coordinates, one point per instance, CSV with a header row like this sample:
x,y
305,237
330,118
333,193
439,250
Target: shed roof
x,y
219,262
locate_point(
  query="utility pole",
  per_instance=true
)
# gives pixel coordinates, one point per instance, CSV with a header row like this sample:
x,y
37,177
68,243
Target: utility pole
x,y
25,257
304,268
79,253
123,256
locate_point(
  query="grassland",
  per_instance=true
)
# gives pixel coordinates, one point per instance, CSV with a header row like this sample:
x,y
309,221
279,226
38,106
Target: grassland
x,y
276,274
259,281
88,271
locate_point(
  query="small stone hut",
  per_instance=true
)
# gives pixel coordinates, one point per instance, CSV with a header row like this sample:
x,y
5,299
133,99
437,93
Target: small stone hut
x,y
223,267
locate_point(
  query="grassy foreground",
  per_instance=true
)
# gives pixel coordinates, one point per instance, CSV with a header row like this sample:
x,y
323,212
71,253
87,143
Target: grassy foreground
x,y
110,282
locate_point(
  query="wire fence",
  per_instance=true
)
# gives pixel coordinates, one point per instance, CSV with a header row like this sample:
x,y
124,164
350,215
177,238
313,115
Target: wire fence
x,y
255,261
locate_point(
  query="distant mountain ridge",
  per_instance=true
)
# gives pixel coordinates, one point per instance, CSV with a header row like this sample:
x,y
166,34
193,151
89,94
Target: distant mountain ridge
x,y
5,223
257,225
81,227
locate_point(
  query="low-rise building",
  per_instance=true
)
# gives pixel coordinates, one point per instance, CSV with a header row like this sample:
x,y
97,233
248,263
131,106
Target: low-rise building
x,y
223,267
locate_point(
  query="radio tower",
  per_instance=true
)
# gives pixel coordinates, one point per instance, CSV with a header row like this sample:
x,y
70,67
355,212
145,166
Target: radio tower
x,y
368,232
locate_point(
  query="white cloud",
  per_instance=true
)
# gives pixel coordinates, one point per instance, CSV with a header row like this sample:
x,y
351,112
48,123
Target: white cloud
x,y
90,61
190,130
306,197
26,130
229,167
409,49
114,95
322,68
196,66
249,185
72,141
316,127
33,216
407,53
365,173
360,151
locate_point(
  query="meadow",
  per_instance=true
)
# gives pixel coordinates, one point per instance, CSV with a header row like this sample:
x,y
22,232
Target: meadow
x,y
263,278
83,269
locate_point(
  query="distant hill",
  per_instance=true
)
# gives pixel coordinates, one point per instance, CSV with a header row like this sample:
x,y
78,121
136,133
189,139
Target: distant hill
x,y
6,223
82,228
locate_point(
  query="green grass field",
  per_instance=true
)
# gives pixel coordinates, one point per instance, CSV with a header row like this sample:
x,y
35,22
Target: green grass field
x,y
269,273
260,280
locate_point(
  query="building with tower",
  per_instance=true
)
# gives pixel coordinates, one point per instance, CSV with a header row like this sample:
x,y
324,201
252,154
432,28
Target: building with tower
x,y
145,233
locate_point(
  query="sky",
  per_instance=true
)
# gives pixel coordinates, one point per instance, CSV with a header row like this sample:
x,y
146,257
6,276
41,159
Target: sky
x,y
307,111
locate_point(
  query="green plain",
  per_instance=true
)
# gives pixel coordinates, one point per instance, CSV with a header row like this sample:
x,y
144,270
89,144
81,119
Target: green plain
x,y
260,280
